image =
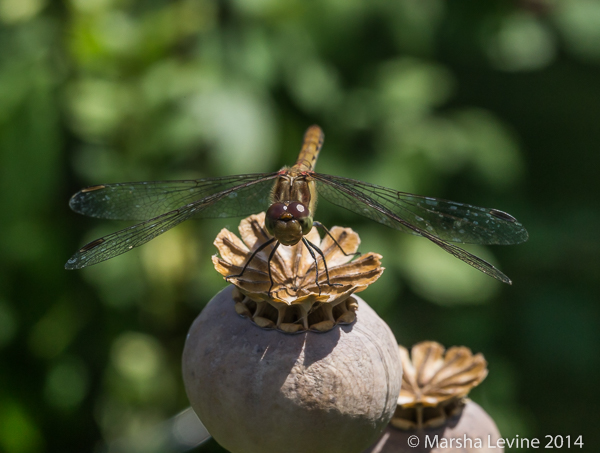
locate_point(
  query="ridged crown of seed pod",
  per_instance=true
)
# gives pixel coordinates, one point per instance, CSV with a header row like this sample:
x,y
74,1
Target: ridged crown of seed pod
x,y
295,293
435,383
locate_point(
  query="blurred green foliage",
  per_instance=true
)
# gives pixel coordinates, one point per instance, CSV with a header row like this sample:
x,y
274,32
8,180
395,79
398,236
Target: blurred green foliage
x,y
491,103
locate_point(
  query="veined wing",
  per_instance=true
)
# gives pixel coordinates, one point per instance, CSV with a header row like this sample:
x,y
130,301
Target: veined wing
x,y
146,200
437,220
243,199
447,220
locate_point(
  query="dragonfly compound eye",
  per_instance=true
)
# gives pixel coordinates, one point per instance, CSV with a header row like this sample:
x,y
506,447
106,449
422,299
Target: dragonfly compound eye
x,y
301,213
277,211
288,222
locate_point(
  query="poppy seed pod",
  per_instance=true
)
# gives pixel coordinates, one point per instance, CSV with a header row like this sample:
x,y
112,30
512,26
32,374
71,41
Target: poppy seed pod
x,y
469,430
433,414
290,290
289,360
263,390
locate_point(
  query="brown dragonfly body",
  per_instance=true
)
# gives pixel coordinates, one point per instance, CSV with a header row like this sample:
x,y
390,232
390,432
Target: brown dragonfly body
x,y
293,203
294,196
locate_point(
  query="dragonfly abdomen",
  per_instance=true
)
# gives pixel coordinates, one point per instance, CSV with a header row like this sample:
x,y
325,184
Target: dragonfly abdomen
x,y
313,141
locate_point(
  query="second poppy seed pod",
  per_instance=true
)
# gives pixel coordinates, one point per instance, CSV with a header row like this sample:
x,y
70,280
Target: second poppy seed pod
x,y
433,414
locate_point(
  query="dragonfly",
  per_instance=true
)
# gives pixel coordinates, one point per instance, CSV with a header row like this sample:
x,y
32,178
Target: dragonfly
x,y
289,197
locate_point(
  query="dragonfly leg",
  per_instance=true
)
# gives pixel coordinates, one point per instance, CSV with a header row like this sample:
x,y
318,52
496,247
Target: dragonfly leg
x,y
309,245
262,247
320,225
269,266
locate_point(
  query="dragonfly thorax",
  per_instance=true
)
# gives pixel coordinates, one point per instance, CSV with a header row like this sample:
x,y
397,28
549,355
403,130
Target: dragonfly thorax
x,y
288,221
295,185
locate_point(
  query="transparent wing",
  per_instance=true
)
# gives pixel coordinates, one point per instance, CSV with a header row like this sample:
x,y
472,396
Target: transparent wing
x,y
447,220
437,220
247,198
146,200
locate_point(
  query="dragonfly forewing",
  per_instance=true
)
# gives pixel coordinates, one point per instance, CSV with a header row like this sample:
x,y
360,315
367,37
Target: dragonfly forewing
x,y
437,220
447,220
244,199
146,200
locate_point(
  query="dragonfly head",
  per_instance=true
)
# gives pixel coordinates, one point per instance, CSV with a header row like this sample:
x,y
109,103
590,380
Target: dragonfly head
x,y
288,221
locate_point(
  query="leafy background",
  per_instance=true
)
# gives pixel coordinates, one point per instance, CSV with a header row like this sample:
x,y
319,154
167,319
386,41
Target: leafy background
x,y
492,103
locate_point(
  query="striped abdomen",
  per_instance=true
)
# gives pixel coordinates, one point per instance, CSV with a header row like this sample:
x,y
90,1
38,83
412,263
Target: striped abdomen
x,y
313,141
